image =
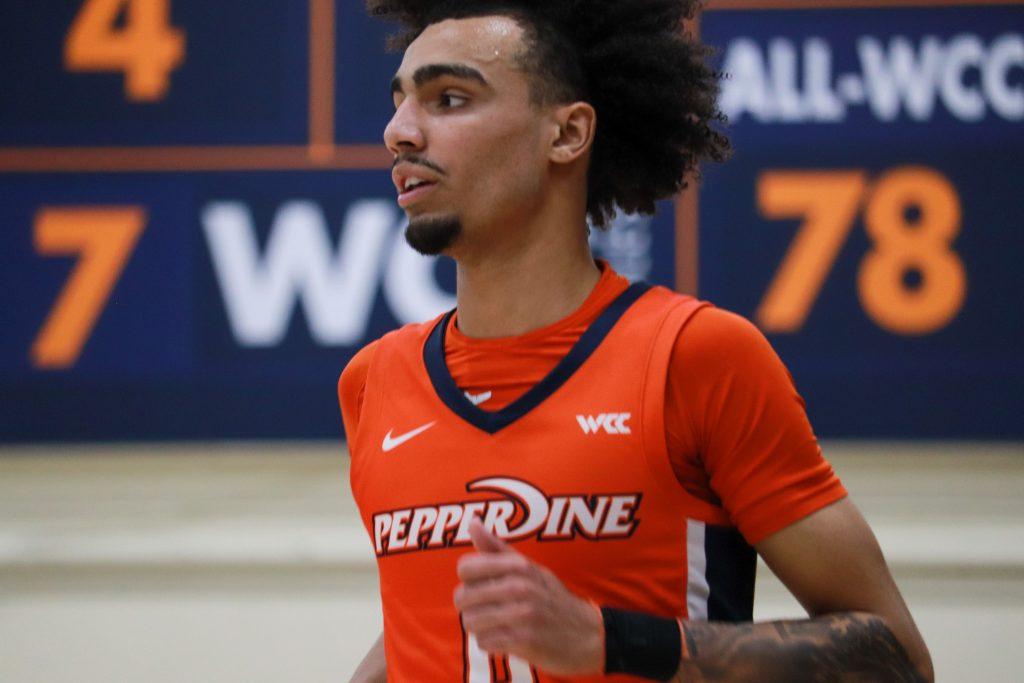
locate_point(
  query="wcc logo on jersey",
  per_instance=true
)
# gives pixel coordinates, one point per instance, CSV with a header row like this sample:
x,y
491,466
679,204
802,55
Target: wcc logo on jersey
x,y
609,423
522,511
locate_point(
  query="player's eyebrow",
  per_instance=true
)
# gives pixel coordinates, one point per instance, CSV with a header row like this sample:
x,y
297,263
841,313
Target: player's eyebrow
x,y
431,72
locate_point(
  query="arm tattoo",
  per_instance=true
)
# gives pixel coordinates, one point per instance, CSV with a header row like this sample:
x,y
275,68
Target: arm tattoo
x,y
839,648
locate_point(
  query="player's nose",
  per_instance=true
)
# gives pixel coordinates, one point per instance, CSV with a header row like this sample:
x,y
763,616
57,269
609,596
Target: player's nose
x,y
403,132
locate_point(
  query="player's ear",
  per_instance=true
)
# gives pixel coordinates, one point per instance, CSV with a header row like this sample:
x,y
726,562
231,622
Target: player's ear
x,y
573,132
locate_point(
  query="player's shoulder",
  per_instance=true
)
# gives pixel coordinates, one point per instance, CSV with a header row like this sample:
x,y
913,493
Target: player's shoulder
x,y
360,363
652,303
708,323
353,377
715,325
709,320
717,337
411,335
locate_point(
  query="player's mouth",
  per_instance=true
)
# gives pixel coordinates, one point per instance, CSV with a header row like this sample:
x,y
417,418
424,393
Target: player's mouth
x,y
414,192
414,180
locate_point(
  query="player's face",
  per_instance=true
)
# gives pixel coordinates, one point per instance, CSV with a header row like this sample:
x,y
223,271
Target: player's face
x,y
468,142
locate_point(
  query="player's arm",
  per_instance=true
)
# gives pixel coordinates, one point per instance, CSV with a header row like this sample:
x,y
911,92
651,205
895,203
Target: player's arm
x,y
515,606
850,646
760,454
860,627
373,668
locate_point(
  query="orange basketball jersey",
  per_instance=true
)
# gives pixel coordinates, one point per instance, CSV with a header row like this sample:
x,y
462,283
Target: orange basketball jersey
x,y
575,474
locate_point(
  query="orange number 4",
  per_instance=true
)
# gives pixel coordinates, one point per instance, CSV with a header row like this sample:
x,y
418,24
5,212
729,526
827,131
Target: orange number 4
x,y
145,47
105,238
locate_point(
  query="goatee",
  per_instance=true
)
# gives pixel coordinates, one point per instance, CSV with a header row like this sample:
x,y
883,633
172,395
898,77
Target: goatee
x,y
431,236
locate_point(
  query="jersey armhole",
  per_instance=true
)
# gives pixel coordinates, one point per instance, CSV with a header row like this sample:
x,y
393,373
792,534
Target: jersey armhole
x,y
353,380
652,420
370,404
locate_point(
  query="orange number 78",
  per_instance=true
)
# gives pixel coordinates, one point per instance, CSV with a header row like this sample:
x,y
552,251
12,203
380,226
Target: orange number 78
x,y
829,203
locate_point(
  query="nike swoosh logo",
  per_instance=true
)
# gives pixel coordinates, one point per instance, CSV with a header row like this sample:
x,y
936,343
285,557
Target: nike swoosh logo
x,y
391,443
477,399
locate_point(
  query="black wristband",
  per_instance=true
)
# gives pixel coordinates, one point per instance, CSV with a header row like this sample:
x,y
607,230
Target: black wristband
x,y
640,644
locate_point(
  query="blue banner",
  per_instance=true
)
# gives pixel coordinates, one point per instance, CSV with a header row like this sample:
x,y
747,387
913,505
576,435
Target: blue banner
x,y
199,228
869,221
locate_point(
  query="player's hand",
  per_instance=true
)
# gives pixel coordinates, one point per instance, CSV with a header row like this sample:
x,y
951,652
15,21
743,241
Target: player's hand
x,y
517,607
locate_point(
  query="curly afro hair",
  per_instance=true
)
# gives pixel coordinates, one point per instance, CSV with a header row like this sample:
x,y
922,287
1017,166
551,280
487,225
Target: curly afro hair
x,y
655,97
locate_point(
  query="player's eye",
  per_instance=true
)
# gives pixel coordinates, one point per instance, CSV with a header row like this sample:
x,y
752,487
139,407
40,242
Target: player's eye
x,y
451,100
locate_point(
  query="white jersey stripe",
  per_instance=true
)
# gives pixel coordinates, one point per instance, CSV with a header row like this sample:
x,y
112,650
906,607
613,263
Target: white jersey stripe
x,y
479,662
697,589
521,672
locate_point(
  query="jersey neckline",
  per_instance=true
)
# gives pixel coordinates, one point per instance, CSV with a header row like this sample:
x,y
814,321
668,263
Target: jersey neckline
x,y
609,286
492,422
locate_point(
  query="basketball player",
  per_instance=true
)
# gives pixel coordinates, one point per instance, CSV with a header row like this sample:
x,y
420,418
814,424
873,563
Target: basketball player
x,y
569,475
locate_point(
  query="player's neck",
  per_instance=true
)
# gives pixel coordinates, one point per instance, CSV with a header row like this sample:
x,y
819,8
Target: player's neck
x,y
512,293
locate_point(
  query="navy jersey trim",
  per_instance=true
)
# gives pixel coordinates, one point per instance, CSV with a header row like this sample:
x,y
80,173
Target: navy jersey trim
x,y
491,422
731,571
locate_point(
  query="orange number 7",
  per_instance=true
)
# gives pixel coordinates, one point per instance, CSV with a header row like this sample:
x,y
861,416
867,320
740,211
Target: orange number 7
x,y
105,237
828,201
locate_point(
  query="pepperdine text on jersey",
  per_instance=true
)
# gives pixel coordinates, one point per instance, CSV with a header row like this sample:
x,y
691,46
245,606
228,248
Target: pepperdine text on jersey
x,y
550,518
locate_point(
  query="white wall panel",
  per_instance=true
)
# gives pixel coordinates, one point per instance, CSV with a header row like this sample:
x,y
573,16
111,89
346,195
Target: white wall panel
x,y
248,563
